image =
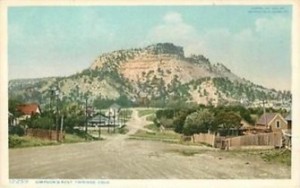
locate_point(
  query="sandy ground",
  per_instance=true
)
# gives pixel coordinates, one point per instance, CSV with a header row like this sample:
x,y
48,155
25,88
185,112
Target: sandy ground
x,y
120,158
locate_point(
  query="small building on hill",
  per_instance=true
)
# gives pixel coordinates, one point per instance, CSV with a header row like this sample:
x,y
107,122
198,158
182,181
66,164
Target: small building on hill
x,y
27,110
113,111
271,122
99,120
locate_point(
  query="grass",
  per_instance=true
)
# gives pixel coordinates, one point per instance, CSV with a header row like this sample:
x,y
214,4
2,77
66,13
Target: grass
x,y
71,138
152,127
167,136
150,117
146,112
26,141
279,156
122,130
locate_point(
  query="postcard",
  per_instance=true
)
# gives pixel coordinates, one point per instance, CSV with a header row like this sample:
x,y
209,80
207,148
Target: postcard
x,y
149,94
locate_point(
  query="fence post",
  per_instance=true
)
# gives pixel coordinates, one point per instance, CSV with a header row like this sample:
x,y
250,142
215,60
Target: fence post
x,y
213,140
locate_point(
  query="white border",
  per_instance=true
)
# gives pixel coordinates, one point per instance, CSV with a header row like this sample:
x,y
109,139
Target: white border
x,y
294,182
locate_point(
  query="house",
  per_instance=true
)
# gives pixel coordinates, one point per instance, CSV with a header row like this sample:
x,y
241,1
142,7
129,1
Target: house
x,y
103,121
11,119
271,122
27,110
114,110
99,120
287,133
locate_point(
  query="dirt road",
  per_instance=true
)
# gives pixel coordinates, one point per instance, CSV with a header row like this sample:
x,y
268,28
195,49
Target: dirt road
x,y
120,158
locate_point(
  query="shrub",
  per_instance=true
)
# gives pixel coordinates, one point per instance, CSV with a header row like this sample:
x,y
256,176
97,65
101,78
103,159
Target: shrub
x,y
14,141
16,130
167,123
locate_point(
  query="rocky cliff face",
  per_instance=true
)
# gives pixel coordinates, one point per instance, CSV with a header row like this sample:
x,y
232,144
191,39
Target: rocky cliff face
x,y
156,72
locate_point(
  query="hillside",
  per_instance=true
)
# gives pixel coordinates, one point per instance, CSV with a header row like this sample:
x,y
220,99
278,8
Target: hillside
x,y
154,75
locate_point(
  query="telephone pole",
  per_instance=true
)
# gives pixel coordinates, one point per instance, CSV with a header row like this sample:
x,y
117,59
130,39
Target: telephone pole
x,y
86,117
265,117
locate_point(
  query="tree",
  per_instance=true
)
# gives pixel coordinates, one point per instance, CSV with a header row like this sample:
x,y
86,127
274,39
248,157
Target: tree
x,y
12,106
227,120
72,121
179,119
124,101
200,121
43,123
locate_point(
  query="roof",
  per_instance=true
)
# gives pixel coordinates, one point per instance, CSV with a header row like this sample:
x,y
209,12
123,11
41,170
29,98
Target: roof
x,y
98,118
266,118
28,109
245,124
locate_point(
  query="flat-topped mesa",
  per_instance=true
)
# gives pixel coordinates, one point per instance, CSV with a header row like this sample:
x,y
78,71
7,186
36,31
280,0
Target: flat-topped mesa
x,y
165,48
221,67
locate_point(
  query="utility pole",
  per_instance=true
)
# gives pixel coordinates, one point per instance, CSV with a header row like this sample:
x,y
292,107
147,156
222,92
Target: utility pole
x,y
57,131
265,117
86,117
100,117
61,125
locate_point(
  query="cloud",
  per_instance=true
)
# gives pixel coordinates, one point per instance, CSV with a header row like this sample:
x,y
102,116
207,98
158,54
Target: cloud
x,y
254,52
173,17
272,26
174,29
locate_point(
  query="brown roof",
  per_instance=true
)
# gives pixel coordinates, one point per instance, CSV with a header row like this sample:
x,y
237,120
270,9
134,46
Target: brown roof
x,y
266,118
28,109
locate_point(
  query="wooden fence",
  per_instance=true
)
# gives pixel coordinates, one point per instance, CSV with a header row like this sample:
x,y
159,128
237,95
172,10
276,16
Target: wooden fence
x,y
206,138
262,139
45,134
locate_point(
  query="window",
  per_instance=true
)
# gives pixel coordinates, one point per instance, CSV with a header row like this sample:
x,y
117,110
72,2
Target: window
x,y
277,124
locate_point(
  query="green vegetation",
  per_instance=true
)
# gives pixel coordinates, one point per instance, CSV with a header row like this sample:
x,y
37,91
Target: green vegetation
x,y
250,90
150,117
40,122
167,136
146,112
199,118
122,130
278,156
73,138
126,113
15,141
152,127
102,103
196,122
16,130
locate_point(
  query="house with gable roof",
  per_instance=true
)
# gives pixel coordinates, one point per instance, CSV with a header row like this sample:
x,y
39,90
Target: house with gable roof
x,y
27,110
273,122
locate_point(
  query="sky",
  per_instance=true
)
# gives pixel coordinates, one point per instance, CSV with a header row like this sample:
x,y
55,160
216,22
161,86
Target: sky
x,y
253,41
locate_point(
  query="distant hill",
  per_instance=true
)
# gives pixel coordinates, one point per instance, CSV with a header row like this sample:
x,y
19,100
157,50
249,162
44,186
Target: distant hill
x,y
158,73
